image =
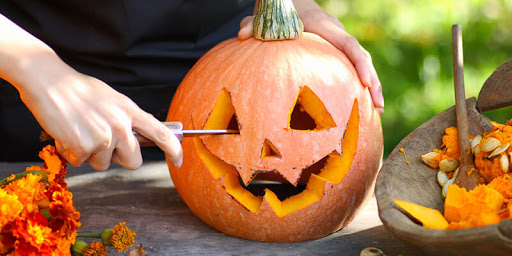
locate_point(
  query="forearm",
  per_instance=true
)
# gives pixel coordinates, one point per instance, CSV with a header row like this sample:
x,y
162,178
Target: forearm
x,y
24,59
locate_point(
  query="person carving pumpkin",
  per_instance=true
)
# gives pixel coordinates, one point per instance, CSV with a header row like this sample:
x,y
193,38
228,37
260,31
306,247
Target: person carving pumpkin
x,y
91,73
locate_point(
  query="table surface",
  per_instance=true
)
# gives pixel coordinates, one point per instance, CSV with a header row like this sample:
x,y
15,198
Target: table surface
x,y
148,201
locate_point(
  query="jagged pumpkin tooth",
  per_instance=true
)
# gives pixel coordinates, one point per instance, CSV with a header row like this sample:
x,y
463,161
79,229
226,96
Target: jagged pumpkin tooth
x,y
246,177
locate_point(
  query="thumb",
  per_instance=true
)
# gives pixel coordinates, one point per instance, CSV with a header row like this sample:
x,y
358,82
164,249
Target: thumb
x,y
246,30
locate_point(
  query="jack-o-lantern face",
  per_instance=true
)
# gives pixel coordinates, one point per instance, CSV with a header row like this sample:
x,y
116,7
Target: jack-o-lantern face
x,y
309,147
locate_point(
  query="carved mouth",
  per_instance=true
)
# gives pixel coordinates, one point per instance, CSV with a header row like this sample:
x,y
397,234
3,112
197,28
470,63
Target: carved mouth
x,y
280,186
285,198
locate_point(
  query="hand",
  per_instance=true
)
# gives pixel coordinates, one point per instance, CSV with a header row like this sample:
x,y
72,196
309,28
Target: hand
x,y
317,20
88,119
92,122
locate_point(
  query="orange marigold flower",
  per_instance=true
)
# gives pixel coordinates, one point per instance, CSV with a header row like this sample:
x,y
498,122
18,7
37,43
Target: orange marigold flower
x,y
61,246
10,208
54,164
121,237
95,249
33,236
29,190
65,218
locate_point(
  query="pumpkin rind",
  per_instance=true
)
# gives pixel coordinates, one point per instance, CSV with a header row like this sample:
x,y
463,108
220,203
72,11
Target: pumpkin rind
x,y
263,80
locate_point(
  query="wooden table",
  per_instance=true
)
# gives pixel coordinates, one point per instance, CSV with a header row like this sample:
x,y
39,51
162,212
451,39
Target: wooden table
x,y
147,200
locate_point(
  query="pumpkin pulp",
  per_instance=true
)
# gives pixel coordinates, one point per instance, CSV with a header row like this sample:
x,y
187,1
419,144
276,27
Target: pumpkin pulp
x,y
334,170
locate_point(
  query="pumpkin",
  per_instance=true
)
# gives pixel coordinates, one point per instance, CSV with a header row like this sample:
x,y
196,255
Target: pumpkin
x,y
310,142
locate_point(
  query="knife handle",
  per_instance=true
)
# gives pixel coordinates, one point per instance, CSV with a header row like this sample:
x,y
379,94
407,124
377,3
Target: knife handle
x,y
144,142
175,127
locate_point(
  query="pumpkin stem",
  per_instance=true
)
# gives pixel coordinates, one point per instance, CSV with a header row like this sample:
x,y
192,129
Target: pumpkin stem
x,y
277,20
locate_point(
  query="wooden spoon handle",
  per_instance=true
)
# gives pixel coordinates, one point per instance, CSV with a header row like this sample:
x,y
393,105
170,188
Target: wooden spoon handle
x,y
460,95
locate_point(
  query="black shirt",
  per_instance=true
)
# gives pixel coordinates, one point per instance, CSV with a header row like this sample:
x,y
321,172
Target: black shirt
x,y
141,48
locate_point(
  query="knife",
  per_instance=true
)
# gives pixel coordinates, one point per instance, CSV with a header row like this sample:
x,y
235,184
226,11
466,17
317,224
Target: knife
x,y
175,127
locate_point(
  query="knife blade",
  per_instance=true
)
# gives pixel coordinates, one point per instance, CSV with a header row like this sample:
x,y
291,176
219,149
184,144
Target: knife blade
x,y
175,127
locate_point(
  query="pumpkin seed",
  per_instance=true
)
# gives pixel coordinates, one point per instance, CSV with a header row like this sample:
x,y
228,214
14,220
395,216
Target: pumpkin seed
x,y
445,187
456,173
442,178
504,163
489,144
448,165
371,251
431,159
499,150
477,149
475,142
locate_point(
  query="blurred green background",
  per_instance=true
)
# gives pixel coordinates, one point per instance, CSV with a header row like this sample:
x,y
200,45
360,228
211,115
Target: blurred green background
x,y
410,43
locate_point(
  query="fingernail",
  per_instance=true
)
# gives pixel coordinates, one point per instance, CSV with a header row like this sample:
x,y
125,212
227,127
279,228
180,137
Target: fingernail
x,y
381,99
179,162
381,111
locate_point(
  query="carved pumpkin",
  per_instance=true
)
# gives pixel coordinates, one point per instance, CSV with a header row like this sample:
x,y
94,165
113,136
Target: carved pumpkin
x,y
309,147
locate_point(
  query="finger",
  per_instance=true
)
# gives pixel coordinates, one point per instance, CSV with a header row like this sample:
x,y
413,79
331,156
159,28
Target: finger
x,y
59,147
61,151
376,90
368,75
74,159
100,160
154,130
358,56
127,153
338,37
246,28
378,98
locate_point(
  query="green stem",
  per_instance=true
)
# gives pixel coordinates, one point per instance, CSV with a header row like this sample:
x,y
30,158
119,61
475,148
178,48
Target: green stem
x,y
20,175
277,20
93,235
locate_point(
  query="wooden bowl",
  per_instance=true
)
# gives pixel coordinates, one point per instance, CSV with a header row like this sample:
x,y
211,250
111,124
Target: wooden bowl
x,y
412,180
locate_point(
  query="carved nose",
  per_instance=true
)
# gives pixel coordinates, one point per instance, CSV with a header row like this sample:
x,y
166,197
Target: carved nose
x,y
269,150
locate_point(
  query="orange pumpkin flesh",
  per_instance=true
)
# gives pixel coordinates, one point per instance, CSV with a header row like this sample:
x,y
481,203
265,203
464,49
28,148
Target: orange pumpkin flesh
x,y
305,122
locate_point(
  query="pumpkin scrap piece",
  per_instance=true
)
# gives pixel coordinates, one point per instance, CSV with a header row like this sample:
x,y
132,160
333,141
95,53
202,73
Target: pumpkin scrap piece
x,y
451,142
430,218
476,220
503,185
405,156
460,204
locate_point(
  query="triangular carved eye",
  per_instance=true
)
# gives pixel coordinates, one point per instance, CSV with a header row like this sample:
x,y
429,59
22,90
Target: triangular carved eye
x,y
223,114
309,113
269,150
